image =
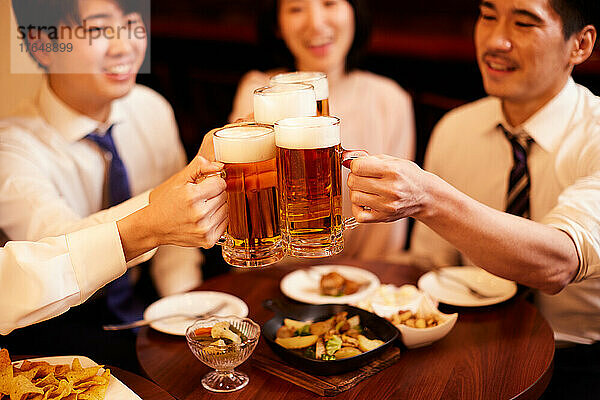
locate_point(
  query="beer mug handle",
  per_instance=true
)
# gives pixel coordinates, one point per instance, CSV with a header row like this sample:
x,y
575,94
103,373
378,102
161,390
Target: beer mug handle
x,y
349,155
223,239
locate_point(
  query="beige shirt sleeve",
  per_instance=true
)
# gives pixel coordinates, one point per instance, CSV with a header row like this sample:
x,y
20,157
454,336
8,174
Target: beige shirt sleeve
x,y
41,280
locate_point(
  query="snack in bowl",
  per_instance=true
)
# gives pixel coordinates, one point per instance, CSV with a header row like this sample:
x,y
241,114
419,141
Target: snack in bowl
x,y
412,312
336,338
420,322
223,343
408,318
42,380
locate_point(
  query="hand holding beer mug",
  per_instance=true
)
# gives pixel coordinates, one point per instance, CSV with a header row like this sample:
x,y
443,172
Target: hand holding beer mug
x,y
253,236
317,79
309,162
272,103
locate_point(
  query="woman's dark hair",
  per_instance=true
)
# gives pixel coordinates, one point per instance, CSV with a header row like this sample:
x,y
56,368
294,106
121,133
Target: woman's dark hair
x,y
48,15
576,14
271,43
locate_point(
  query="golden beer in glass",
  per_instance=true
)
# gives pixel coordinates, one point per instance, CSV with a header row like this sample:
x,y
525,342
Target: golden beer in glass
x,y
309,165
317,79
275,102
253,237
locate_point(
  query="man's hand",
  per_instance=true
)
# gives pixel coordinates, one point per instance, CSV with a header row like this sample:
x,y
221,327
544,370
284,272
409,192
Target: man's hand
x,y
385,188
190,209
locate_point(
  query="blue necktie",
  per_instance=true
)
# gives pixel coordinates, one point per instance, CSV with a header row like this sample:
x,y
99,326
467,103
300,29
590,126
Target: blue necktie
x,y
517,200
119,293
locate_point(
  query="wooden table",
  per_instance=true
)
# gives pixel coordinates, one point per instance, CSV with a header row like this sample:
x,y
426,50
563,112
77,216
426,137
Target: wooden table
x,y
144,388
503,351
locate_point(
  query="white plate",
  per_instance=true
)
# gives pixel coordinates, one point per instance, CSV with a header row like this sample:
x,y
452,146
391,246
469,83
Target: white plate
x,y
450,292
191,303
303,284
116,389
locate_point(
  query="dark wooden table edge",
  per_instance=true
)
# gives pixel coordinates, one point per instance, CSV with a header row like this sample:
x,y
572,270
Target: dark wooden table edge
x,y
537,388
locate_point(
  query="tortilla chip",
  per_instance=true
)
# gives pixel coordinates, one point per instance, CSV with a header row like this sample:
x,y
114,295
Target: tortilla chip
x,y
61,370
95,380
96,392
26,365
6,372
29,374
44,367
21,386
63,390
82,374
48,380
76,365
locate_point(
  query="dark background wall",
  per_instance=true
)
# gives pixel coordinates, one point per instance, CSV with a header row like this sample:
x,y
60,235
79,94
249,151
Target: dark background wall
x,y
201,48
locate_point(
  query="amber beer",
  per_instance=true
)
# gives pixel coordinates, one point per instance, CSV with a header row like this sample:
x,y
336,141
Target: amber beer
x,y
317,79
253,236
309,182
279,101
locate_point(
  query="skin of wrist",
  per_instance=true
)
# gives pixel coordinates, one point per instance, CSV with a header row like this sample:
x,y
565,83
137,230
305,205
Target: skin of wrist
x,y
137,234
432,197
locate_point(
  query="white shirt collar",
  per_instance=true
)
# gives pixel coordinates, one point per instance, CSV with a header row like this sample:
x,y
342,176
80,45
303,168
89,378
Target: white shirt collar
x,y
68,122
547,126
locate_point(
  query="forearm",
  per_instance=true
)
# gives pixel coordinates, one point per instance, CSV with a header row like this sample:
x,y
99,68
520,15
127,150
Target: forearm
x,y
137,234
515,248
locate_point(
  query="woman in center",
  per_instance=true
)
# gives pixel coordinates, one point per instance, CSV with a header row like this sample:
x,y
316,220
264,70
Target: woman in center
x,y
377,116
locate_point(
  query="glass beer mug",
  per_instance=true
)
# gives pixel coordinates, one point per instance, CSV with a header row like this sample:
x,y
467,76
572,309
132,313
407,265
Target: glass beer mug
x,y
253,236
309,162
317,79
272,103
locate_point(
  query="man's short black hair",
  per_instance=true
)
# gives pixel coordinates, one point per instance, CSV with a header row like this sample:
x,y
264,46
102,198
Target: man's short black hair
x,y
576,14
271,43
45,15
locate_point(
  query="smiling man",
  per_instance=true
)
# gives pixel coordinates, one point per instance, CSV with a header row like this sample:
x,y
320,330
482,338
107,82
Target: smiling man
x,y
513,180
90,139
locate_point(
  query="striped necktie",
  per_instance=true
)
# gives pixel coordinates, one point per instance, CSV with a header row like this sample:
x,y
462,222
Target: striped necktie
x,y
517,199
119,293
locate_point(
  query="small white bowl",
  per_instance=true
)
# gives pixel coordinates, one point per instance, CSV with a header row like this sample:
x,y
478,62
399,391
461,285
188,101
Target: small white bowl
x,y
418,337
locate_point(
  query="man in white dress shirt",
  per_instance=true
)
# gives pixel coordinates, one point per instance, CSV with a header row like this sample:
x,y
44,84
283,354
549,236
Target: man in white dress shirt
x,y
53,177
87,141
513,180
41,280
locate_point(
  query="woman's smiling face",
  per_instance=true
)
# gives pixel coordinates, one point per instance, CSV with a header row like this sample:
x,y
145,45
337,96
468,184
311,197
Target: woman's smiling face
x,y
319,33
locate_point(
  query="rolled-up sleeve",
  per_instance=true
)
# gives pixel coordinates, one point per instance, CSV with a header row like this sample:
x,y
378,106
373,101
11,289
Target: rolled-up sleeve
x,y
577,213
40,280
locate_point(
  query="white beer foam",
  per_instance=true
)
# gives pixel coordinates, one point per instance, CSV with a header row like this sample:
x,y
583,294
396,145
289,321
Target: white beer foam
x,y
244,144
283,101
317,79
307,133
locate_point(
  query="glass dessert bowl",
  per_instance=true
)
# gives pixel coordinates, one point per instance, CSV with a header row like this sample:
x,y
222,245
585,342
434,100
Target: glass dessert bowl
x,y
223,343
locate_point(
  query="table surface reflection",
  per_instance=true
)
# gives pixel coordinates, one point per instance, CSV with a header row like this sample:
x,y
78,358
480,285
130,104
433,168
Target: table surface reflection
x,y
503,351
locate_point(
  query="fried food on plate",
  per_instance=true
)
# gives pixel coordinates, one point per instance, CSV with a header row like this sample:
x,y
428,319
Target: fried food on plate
x,y
42,381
